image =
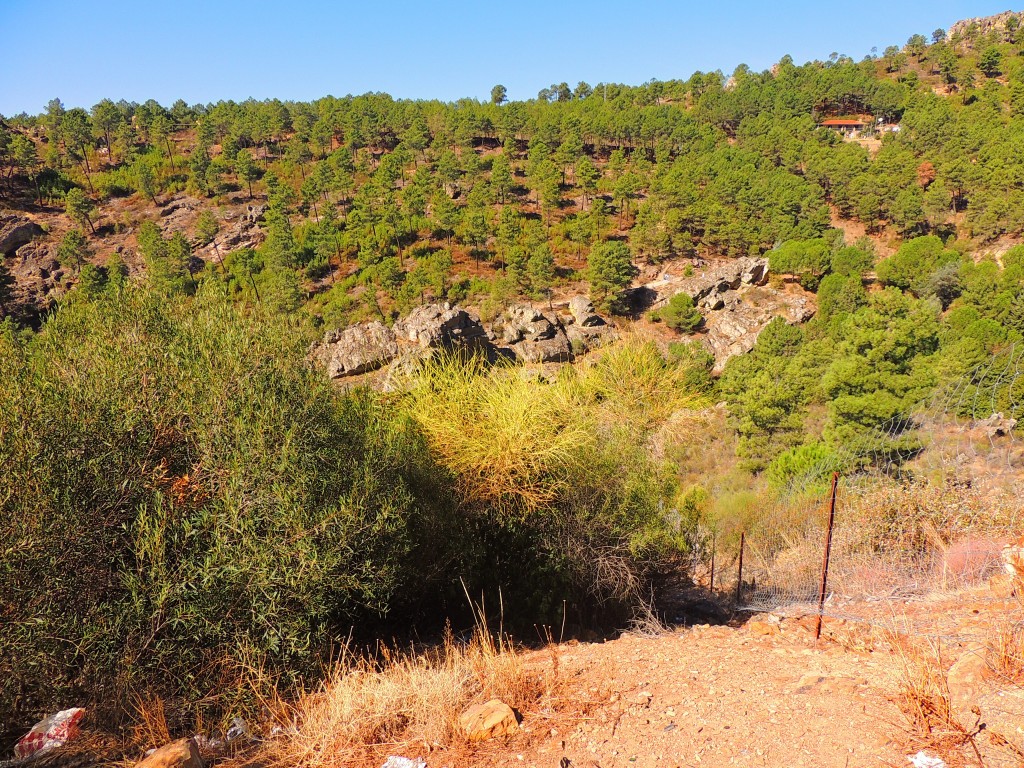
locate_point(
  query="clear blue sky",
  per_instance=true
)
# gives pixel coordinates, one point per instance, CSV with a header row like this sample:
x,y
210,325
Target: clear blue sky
x,y
207,50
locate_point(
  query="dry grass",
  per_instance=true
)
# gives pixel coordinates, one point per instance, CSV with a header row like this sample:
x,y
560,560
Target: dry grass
x,y
403,703
508,436
1007,652
970,732
931,722
150,729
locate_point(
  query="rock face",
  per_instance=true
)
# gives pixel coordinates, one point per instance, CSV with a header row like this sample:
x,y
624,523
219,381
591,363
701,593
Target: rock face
x,y
583,312
717,278
521,332
358,349
738,318
984,24
734,300
15,231
442,326
238,233
486,721
368,346
40,277
532,336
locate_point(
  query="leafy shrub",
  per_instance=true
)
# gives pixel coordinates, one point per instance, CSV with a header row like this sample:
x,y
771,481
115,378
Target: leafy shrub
x,y
183,494
559,472
680,314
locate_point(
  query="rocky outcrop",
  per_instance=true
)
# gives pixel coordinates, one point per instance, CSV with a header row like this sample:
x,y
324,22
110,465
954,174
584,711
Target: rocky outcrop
x,y
239,231
585,329
583,312
442,326
366,347
736,318
15,231
39,280
532,336
520,333
715,279
734,300
359,349
983,24
997,425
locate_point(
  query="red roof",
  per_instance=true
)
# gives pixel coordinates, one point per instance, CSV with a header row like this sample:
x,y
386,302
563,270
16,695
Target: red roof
x,y
838,122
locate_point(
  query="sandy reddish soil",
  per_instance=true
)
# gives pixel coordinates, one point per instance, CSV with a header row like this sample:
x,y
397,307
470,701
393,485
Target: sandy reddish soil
x,y
761,695
720,696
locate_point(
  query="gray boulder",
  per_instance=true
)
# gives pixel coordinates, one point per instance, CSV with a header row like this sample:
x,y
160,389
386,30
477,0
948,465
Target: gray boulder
x,y
359,349
15,231
583,312
442,326
533,336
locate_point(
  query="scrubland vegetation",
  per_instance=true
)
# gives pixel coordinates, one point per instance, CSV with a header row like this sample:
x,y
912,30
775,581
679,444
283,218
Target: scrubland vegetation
x,y
186,495
186,498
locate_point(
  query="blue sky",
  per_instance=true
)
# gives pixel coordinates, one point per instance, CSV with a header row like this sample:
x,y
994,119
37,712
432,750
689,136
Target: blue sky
x,y
207,50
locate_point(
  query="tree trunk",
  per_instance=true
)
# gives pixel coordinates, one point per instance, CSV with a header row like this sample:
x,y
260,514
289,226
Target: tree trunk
x,y
170,154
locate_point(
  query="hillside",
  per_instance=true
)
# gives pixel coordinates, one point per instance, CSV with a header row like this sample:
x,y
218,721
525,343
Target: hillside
x,y
284,379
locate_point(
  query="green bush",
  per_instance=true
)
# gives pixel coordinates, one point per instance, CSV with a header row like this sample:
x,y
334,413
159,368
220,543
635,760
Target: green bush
x,y
184,494
804,468
680,314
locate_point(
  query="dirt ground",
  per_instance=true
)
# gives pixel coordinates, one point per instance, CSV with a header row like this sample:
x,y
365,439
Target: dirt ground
x,y
762,693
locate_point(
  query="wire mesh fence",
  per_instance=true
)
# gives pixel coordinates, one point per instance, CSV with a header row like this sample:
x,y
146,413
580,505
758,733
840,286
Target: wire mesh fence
x,y
924,505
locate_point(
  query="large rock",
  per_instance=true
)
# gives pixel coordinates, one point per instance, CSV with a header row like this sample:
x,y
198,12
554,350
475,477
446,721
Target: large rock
x,y
358,349
442,326
969,673
737,319
583,312
486,721
717,277
182,753
39,279
532,336
997,425
15,231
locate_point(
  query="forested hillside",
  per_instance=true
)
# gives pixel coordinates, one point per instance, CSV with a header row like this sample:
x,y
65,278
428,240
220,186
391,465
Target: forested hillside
x,y
165,270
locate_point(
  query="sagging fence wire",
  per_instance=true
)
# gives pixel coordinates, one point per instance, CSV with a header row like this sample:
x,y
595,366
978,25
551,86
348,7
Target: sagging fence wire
x,y
921,507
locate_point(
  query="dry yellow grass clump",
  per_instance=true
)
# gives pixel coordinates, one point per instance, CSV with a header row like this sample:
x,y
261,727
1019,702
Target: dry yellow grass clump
x,y
403,703
511,436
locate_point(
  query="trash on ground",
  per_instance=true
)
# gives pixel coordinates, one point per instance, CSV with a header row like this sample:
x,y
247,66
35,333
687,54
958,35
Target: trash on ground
x,y
50,732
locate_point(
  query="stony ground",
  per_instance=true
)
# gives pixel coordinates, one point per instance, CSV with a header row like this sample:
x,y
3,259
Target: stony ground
x,y
762,693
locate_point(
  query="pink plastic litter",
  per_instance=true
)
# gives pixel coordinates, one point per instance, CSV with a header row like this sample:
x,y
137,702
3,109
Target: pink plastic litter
x,y
53,731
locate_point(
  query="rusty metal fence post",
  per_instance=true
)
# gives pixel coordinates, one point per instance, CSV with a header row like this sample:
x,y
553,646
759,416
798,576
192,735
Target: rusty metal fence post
x,y
828,554
739,578
713,548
